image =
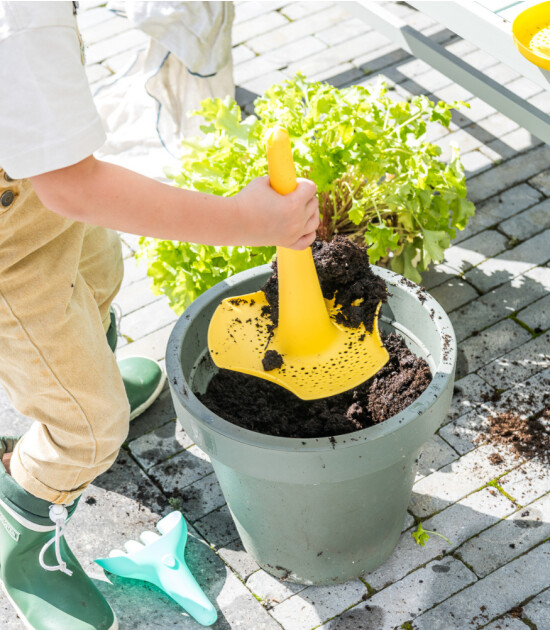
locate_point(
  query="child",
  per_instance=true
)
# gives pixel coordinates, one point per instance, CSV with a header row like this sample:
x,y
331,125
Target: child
x,y
60,267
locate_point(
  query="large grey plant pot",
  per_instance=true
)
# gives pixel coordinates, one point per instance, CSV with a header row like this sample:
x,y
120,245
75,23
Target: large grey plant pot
x,y
316,511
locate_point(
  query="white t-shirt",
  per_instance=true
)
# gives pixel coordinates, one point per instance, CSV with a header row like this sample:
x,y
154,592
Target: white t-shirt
x,y
48,119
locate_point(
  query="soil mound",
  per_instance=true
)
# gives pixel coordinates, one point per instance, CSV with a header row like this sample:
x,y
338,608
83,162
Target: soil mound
x,y
344,274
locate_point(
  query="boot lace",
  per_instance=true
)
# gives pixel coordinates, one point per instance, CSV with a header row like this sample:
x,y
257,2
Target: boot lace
x,y
58,514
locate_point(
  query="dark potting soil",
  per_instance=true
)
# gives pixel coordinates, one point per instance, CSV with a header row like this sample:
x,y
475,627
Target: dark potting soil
x,y
259,405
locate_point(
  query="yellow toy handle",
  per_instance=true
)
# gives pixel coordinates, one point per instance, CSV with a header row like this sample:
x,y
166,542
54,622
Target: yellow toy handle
x,y
282,174
304,322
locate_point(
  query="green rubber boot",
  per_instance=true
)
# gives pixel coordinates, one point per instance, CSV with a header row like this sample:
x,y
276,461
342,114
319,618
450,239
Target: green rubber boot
x,y
143,377
143,381
38,572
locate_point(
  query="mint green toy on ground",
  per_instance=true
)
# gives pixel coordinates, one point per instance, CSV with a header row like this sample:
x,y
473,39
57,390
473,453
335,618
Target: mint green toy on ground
x,y
160,560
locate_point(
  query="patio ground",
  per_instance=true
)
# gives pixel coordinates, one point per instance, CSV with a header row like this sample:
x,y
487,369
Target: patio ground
x,y
494,283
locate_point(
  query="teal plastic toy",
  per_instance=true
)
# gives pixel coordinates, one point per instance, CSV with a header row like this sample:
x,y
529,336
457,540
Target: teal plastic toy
x,y
160,560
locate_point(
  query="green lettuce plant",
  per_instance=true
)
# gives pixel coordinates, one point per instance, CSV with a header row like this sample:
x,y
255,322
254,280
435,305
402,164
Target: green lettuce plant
x,y
379,181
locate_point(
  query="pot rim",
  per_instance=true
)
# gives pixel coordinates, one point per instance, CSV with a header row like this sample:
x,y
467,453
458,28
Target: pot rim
x,y
444,371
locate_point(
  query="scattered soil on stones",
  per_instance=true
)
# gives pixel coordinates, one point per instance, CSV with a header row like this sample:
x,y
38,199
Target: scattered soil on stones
x,y
496,459
516,611
526,437
259,405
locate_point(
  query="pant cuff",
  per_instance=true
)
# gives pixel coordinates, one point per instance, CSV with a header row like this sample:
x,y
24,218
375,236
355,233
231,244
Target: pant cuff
x,y
36,487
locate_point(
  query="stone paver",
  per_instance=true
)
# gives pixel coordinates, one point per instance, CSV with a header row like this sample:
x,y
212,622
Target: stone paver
x,y
499,592
458,479
511,263
218,527
435,454
201,497
520,364
508,539
247,30
152,345
494,282
469,392
528,223
271,590
542,182
507,174
499,207
294,31
235,556
474,250
436,275
527,483
414,594
525,398
156,446
315,604
506,623
459,522
454,293
500,302
489,344
537,316
181,470
463,432
538,610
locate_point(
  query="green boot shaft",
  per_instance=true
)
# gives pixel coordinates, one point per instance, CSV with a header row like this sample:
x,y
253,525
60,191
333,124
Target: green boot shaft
x,y
39,573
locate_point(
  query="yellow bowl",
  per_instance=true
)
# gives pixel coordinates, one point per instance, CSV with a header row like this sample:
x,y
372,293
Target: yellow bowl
x,y
531,31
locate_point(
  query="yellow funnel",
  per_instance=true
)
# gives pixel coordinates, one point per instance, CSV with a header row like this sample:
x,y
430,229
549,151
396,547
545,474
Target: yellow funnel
x,y
320,357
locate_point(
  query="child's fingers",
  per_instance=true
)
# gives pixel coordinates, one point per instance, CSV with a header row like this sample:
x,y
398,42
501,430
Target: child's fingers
x,y
312,209
305,189
304,241
311,224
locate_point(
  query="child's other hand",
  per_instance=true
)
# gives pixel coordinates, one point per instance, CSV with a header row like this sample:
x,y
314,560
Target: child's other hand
x,y
269,218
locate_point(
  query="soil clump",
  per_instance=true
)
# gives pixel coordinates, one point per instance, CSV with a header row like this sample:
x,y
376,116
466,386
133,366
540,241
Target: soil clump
x,y
272,360
259,405
345,275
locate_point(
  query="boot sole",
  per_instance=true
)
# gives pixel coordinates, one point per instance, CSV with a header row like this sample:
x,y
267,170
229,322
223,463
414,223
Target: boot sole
x,y
26,623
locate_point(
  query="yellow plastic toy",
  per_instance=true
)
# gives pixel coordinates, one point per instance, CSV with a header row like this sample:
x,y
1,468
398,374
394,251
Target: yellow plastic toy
x,y
531,31
320,357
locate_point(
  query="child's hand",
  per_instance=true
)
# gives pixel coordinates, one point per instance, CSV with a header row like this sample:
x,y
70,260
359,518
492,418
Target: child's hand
x,y
269,218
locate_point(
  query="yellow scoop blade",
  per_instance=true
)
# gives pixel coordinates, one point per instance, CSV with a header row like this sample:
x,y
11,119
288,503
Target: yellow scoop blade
x,y
320,358
352,356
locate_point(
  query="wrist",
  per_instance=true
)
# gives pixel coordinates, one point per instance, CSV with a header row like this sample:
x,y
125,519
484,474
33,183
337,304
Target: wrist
x,y
243,219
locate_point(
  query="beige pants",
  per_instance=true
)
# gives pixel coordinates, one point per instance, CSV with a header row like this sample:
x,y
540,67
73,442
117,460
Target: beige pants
x,y
57,280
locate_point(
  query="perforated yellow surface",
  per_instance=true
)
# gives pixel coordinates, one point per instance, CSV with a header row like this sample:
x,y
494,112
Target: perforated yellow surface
x,y
531,30
349,358
540,42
